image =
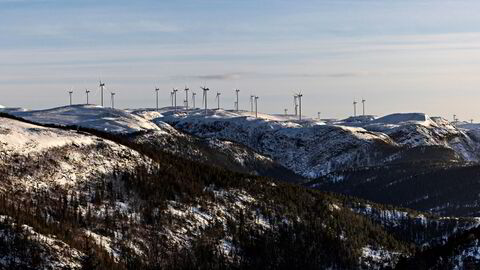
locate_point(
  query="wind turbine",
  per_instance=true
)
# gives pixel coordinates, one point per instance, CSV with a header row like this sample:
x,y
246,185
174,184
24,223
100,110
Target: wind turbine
x,y
102,87
252,97
236,103
300,95
156,93
70,94
205,90
354,108
175,90
363,106
171,98
87,92
218,100
186,96
113,99
286,111
256,107
319,113
295,104
193,99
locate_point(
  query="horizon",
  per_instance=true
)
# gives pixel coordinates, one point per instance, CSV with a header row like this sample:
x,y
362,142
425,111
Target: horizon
x,y
233,110
413,56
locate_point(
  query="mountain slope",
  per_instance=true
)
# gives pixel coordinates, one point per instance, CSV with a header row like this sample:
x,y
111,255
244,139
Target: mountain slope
x,y
313,149
308,151
90,116
137,126
162,211
441,188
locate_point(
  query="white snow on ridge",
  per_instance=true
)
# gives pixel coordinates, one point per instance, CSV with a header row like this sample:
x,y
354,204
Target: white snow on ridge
x,y
307,148
313,148
74,157
399,118
5,109
90,116
25,138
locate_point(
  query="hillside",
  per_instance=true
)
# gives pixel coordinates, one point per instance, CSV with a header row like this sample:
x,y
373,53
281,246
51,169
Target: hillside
x,y
138,126
313,149
152,209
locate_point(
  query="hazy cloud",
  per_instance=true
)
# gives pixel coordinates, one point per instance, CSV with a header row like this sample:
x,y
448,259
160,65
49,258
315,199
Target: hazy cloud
x,y
220,77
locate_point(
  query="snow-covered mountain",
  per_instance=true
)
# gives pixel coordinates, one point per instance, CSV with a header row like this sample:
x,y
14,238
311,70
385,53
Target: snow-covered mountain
x,y
309,148
65,192
90,116
73,157
138,126
313,149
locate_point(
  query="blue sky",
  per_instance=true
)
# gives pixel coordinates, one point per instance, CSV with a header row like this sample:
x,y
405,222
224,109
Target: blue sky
x,y
400,55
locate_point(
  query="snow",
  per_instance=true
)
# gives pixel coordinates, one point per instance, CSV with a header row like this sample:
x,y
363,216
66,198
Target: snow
x,y
55,253
25,138
4,109
378,257
73,157
310,148
400,118
304,147
471,252
90,116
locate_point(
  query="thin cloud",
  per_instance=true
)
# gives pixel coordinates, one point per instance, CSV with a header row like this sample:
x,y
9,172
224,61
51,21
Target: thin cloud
x,y
218,77
243,75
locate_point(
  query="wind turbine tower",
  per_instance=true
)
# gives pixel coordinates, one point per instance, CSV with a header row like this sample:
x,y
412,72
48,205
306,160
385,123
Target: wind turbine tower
x,y
205,91
193,99
256,107
218,100
354,108
171,98
295,104
70,94
113,99
300,95
319,114
102,87
252,97
87,92
236,103
186,96
156,97
175,90
286,111
363,106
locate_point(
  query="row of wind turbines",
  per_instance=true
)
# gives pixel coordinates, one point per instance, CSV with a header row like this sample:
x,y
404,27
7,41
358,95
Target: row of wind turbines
x,y
297,100
173,99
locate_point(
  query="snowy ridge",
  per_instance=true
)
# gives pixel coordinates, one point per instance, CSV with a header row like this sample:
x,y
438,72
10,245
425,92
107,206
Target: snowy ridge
x,y
312,149
24,138
90,116
96,176
75,157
